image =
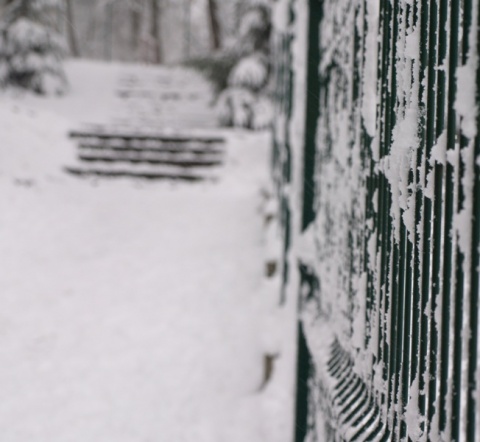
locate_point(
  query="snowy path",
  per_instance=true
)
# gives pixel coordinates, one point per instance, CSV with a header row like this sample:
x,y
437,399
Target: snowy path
x,y
131,313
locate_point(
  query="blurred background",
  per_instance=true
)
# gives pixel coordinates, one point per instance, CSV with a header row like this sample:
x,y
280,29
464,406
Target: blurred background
x,y
150,31
227,41
139,242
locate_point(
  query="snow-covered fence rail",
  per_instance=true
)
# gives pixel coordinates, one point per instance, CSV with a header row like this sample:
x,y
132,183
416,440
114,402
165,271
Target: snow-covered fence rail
x,y
377,166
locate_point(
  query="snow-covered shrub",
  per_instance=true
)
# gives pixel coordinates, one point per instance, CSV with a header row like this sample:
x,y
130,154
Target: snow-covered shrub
x,y
235,107
255,27
240,107
216,68
262,113
240,73
31,49
250,72
247,92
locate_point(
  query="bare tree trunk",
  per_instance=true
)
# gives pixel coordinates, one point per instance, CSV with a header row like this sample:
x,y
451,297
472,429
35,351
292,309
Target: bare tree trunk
x,y
108,32
187,29
155,32
72,37
214,24
135,20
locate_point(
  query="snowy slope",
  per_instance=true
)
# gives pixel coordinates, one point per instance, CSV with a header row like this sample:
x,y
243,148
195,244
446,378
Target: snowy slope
x,y
131,311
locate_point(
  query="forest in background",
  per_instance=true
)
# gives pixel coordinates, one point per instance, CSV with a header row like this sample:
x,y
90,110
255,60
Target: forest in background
x,y
229,44
148,31
145,31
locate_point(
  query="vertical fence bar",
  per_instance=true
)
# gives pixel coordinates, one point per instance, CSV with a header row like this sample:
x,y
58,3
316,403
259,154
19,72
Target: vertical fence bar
x,y
391,251
427,227
473,412
436,282
313,111
448,324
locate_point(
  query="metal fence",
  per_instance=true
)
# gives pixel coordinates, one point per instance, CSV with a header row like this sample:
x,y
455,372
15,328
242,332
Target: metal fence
x,y
387,246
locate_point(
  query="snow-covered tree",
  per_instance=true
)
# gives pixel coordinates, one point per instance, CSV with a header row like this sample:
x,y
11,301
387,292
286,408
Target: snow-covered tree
x,y
245,102
31,47
255,27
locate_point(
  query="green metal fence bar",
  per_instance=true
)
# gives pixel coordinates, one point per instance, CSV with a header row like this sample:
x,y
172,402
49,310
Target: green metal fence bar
x,y
391,205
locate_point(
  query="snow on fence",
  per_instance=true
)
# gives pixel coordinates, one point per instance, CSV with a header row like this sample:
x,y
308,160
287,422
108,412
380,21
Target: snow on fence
x,y
376,161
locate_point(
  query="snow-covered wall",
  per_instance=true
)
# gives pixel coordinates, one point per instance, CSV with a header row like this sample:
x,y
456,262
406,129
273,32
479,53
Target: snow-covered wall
x,y
376,162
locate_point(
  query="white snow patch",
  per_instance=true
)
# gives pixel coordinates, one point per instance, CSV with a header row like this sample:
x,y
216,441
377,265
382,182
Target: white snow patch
x,y
130,310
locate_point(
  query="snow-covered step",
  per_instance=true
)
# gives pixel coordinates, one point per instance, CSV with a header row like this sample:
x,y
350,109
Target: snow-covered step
x,y
187,150
148,139
184,159
116,170
148,136
189,157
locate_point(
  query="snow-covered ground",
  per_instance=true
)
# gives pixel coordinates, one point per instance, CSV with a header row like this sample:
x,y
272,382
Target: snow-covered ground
x,y
131,311
132,95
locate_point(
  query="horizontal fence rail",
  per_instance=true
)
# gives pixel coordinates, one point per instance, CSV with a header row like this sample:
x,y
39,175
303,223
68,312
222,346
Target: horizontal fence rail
x,y
388,329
